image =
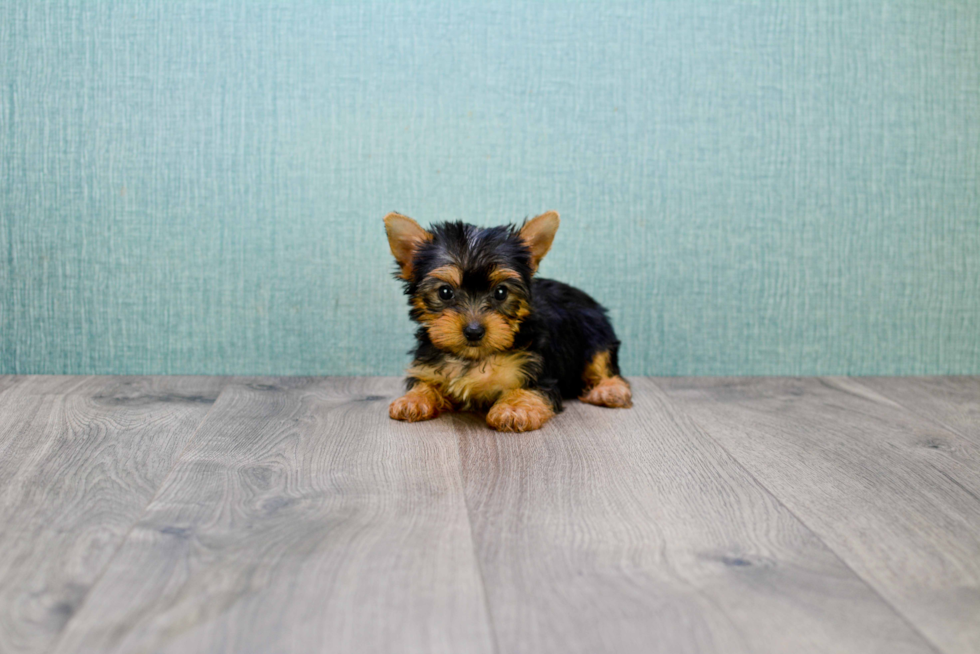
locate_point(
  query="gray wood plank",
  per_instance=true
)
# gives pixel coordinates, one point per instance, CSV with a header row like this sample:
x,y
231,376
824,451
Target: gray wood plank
x,y
301,519
895,495
51,384
20,401
632,531
953,402
80,458
6,381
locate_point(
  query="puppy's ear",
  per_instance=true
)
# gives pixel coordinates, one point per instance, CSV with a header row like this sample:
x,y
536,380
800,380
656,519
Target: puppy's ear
x,y
404,237
538,233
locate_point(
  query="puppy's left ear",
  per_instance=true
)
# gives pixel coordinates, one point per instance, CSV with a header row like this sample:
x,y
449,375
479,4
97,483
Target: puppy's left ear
x,y
538,233
404,238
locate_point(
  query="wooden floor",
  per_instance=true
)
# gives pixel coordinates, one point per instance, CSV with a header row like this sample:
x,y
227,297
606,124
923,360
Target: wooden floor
x,y
194,514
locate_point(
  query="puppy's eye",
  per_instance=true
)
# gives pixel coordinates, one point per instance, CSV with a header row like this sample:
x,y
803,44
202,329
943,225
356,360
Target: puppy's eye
x,y
446,293
500,293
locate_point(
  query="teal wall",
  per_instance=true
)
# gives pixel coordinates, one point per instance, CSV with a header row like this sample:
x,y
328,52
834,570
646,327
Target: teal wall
x,y
751,187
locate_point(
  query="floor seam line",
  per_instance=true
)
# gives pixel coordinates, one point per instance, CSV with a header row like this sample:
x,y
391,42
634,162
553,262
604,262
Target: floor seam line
x,y
905,407
469,521
901,615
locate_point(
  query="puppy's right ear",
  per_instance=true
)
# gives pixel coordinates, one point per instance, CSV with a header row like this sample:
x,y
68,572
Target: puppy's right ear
x,y
404,237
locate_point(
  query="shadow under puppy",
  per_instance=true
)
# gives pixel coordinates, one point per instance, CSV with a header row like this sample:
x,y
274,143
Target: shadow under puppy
x,y
492,336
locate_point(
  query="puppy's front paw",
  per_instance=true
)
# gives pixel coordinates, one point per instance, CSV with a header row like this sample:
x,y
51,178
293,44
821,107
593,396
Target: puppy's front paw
x,y
520,410
420,403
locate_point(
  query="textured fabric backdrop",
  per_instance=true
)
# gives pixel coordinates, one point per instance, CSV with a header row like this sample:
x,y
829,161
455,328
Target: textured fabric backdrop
x,y
751,187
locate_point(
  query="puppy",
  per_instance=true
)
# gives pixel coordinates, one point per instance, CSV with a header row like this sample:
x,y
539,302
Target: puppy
x,y
493,337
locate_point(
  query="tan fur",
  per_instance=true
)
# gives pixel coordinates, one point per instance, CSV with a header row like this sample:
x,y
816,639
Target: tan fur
x,y
422,402
474,385
500,333
404,238
424,316
487,374
500,275
445,329
446,332
523,311
449,274
603,388
597,369
520,410
614,392
538,234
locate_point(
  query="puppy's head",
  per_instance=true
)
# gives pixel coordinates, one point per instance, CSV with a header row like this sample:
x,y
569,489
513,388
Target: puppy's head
x,y
469,287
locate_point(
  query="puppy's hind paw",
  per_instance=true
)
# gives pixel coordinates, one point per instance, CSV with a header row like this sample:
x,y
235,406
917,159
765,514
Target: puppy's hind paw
x,y
613,392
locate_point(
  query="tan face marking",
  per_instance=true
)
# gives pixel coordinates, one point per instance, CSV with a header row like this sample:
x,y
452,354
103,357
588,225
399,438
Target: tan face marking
x,y
501,275
449,274
446,332
445,321
500,334
424,314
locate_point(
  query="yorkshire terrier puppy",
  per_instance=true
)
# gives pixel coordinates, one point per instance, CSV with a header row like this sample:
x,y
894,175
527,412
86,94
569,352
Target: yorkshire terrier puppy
x,y
492,336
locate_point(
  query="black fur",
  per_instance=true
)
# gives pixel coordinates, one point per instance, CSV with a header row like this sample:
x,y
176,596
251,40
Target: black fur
x,y
565,326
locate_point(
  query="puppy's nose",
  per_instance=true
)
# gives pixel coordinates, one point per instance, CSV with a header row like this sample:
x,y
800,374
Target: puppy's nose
x,y
474,332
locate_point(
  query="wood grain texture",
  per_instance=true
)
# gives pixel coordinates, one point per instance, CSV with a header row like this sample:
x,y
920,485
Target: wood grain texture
x,y
895,495
80,458
301,519
48,384
953,402
632,531
6,381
